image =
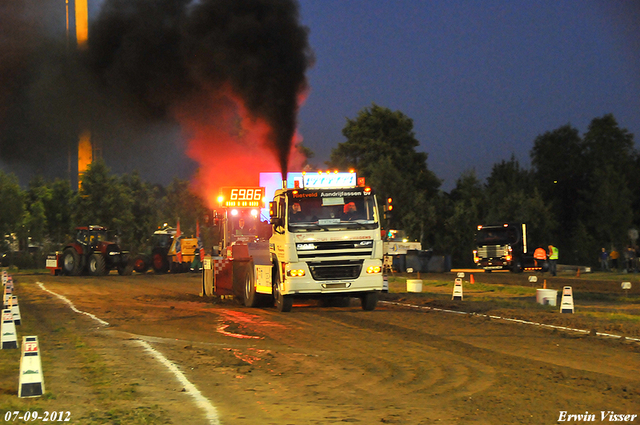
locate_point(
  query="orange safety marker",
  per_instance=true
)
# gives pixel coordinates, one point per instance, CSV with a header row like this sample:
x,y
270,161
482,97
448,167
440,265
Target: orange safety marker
x,y
471,279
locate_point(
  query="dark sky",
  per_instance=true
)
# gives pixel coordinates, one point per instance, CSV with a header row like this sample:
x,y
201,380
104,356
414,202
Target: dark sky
x,y
480,79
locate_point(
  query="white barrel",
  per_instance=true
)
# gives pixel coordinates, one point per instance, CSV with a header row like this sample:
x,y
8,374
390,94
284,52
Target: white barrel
x,y
414,285
546,296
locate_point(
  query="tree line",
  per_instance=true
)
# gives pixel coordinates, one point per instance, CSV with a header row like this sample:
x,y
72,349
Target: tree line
x,y
580,194
43,216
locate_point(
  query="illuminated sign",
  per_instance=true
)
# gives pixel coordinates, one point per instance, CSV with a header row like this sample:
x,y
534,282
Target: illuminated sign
x,y
329,180
242,197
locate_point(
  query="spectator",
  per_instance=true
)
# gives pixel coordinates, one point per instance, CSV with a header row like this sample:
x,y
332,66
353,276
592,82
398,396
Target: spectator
x,y
614,259
604,260
553,259
630,256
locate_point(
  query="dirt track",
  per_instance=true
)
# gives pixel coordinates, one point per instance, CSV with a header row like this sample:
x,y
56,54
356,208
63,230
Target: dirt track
x,y
315,365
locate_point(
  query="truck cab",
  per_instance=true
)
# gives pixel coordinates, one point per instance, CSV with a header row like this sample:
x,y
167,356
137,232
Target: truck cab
x,y
504,247
326,241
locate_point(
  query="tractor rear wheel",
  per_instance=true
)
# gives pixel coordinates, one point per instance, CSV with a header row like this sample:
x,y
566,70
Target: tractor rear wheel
x,y
71,262
159,263
97,266
140,264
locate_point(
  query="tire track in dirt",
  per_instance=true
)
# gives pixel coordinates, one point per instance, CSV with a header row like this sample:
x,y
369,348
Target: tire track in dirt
x,y
371,377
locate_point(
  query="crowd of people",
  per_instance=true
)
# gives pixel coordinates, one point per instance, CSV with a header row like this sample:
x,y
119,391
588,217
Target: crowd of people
x,y
625,261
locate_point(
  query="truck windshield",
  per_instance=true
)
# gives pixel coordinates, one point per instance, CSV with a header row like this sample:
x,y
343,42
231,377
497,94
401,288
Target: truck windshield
x,y
497,236
331,211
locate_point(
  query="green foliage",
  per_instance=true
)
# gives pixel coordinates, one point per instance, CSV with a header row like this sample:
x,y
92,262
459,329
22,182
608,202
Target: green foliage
x,y
12,205
591,185
145,208
466,210
59,210
381,146
180,203
103,200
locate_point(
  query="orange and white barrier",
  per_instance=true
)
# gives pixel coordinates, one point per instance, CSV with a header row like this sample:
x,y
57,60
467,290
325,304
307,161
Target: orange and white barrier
x,y
6,297
15,310
567,300
31,378
8,331
457,289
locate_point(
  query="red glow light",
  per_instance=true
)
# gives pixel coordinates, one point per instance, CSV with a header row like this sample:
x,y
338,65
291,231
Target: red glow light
x,y
230,146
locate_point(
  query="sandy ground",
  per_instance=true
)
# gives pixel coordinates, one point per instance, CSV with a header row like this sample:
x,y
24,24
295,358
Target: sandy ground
x,y
316,365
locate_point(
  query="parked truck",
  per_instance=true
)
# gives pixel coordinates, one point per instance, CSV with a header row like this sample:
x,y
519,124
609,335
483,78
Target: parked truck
x,y
504,247
325,243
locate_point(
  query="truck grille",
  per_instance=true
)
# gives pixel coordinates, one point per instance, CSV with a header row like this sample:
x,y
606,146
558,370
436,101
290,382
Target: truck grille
x,y
493,251
357,249
331,270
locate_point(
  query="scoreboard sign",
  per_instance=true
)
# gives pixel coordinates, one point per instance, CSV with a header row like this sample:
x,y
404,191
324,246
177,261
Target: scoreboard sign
x,y
242,197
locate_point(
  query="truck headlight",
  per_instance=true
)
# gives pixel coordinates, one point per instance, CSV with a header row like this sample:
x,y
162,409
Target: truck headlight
x,y
296,273
374,269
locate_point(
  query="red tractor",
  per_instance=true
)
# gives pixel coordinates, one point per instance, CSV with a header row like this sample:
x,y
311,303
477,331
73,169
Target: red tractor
x,y
93,252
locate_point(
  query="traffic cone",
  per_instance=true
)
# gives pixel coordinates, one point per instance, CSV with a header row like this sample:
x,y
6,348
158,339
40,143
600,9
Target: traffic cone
x,y
471,279
578,273
544,284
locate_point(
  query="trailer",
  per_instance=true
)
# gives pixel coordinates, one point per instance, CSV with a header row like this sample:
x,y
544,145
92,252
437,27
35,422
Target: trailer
x,y
322,241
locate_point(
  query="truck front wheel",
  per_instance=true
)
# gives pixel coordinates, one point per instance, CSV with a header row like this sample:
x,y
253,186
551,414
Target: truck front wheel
x,y
516,267
369,301
250,296
284,303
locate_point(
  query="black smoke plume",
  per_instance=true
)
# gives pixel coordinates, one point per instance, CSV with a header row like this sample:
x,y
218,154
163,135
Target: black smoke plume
x,y
144,60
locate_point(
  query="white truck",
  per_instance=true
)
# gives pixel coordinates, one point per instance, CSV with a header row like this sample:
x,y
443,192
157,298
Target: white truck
x,y
325,243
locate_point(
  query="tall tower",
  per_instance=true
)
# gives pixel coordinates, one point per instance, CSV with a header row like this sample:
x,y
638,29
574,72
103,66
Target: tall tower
x,y
81,19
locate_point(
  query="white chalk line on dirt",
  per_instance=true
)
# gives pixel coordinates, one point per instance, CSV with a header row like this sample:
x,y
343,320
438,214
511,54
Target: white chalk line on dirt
x,y
524,322
201,401
73,307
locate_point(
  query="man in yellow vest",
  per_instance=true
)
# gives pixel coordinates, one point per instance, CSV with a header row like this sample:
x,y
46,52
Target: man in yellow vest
x,y
553,259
